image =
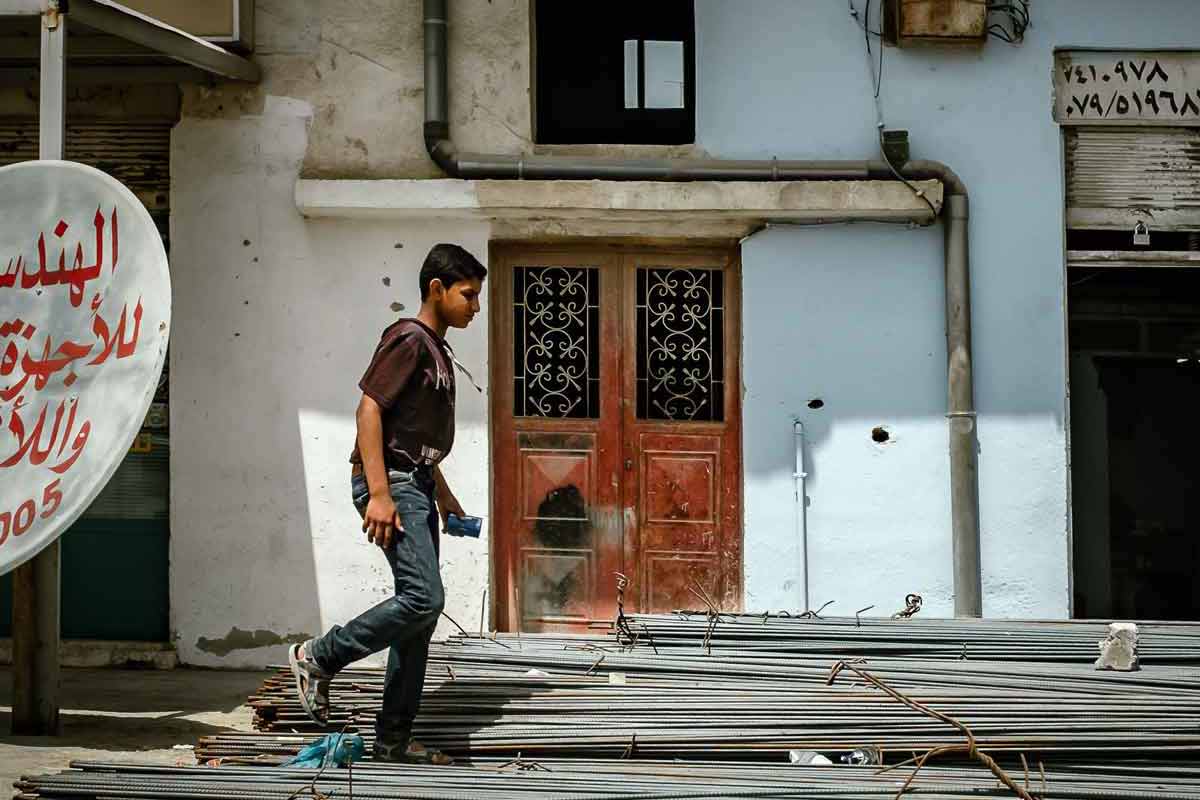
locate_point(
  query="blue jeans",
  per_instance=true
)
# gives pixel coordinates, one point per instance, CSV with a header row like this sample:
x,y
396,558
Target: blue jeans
x,y
403,623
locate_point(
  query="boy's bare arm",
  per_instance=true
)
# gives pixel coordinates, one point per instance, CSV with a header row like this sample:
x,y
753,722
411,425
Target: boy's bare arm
x,y
446,501
380,518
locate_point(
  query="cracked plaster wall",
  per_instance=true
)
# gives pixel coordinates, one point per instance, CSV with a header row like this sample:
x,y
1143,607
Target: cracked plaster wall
x,y
359,65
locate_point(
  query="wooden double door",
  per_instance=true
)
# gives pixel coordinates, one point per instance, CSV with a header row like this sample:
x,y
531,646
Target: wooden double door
x,y
616,439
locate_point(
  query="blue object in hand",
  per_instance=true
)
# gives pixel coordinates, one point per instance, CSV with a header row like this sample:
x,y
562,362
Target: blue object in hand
x,y
463,526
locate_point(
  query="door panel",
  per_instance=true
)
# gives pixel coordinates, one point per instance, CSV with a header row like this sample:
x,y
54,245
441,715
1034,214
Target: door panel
x,y
681,429
679,521
615,433
560,544
555,440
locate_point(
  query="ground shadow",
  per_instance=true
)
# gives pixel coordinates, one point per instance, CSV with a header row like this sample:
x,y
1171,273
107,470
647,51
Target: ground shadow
x,y
146,694
131,731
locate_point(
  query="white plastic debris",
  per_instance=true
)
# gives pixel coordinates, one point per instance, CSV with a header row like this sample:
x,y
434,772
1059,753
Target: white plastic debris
x,y
1118,651
537,673
805,758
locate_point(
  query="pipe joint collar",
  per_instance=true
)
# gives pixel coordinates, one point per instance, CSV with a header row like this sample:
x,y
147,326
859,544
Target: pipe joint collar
x,y
957,206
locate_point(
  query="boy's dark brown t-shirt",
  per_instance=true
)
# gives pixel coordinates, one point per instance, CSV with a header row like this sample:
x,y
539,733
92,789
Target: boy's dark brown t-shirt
x,y
411,377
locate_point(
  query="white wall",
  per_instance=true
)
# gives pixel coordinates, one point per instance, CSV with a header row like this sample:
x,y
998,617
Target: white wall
x,y
833,322
856,317
276,317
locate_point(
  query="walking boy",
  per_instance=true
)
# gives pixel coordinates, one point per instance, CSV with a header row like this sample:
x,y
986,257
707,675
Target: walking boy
x,y
405,428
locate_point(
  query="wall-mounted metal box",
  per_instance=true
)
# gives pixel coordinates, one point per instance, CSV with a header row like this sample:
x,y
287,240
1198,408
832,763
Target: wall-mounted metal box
x,y
938,21
229,23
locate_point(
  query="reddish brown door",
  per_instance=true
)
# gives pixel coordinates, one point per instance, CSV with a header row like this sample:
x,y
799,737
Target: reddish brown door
x,y
681,430
616,432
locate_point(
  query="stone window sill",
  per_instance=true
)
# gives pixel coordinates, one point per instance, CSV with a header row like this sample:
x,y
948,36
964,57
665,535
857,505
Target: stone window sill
x,y
531,209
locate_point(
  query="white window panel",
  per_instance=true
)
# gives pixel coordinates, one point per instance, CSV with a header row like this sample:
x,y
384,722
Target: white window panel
x,y
664,74
632,53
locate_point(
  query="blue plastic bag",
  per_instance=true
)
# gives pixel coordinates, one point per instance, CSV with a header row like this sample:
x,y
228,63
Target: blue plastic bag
x,y
334,750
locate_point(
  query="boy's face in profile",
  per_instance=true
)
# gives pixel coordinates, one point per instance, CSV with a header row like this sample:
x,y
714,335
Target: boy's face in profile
x,y
459,304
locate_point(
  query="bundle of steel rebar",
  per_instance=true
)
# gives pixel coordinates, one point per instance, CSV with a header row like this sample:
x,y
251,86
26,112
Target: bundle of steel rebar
x,y
991,640
599,780
1007,708
682,717
669,693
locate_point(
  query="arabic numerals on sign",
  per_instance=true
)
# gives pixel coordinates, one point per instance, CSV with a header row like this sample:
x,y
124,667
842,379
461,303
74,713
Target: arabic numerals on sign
x,y
1148,87
16,521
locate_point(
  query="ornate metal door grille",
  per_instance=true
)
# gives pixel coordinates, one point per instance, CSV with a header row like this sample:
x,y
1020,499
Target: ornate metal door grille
x,y
556,352
680,344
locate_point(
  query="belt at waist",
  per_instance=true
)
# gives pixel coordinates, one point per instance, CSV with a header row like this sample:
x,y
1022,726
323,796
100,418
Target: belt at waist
x,y
422,472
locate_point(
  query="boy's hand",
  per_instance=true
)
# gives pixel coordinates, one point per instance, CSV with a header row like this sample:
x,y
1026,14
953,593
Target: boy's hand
x,y
381,520
448,505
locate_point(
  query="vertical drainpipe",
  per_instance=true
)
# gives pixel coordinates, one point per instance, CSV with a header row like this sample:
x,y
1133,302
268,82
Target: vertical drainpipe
x,y
964,469
437,107
964,463
801,480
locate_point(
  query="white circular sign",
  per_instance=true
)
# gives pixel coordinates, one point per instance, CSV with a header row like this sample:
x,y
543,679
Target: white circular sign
x,y
85,309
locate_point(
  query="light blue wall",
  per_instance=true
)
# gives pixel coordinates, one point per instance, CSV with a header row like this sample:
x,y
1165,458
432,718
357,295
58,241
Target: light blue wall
x,y
853,314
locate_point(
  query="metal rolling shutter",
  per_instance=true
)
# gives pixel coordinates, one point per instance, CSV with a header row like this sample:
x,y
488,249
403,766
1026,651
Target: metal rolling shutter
x,y
136,153
1117,177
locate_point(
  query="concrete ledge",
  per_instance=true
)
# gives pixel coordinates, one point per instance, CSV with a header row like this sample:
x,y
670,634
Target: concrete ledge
x,y
96,653
616,208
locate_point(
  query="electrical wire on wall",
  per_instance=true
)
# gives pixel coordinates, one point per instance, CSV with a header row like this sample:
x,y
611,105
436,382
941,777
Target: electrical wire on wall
x,y
1015,19
1017,14
864,23
877,85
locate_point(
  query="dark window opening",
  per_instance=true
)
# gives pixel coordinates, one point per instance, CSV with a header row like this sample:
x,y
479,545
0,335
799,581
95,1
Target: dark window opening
x,y
1134,391
1160,240
625,75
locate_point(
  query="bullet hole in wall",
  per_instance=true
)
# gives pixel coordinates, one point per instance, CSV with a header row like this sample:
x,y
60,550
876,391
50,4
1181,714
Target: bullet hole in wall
x,y
879,435
399,245
816,403
245,242
397,307
387,281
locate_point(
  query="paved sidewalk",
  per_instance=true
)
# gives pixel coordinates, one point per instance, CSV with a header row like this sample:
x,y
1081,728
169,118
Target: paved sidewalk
x,y
122,715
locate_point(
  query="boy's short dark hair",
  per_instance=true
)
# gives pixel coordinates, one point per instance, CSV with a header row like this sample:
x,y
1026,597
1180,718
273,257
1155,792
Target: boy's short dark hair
x,y
449,263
